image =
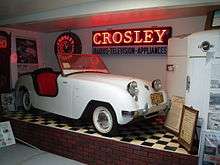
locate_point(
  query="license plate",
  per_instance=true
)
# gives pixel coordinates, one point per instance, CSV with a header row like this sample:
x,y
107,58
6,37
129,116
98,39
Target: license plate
x,y
156,98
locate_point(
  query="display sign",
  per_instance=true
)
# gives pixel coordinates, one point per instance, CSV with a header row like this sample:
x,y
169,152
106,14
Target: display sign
x,y
213,113
67,43
174,115
5,53
210,148
213,121
26,51
8,101
187,127
27,59
144,41
6,134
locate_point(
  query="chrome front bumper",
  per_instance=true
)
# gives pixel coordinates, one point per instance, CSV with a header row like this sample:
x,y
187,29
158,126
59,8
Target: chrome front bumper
x,y
147,113
153,111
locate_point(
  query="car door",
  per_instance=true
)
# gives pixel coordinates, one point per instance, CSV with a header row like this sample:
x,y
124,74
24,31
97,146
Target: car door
x,y
60,104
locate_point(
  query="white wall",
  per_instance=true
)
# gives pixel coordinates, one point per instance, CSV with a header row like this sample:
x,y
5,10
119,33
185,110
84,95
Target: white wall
x,y
142,67
39,37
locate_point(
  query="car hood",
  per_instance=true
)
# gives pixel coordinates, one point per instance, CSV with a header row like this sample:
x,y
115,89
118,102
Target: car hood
x,y
117,80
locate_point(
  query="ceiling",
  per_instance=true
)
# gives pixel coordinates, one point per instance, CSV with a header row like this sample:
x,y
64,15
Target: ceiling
x,y
44,16
15,8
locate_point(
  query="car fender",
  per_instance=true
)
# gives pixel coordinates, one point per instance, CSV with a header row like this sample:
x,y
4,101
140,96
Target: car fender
x,y
118,98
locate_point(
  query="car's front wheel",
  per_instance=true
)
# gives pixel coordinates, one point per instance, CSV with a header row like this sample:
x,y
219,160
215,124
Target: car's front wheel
x,y
26,101
104,120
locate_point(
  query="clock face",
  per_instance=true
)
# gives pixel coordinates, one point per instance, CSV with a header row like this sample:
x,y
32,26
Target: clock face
x,y
67,44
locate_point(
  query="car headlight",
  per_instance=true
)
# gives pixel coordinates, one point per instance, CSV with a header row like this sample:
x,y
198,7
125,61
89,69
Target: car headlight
x,y
132,88
156,85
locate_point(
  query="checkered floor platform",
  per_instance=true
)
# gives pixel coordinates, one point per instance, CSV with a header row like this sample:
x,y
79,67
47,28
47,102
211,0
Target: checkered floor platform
x,y
144,133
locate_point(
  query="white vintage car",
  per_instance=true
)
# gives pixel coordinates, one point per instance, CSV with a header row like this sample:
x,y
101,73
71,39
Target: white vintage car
x,y
86,89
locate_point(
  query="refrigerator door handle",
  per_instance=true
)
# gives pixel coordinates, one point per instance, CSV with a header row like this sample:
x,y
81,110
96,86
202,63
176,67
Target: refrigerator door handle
x,y
187,83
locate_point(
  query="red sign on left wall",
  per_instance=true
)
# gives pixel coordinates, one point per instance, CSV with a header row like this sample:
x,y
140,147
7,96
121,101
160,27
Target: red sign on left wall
x,y
3,42
5,53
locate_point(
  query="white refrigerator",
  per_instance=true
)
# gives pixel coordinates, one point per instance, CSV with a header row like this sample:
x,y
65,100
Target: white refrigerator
x,y
193,72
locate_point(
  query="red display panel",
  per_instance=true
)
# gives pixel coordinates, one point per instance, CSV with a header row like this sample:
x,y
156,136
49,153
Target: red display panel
x,y
130,37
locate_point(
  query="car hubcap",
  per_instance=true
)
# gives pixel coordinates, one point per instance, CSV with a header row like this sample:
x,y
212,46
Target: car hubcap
x,y
102,119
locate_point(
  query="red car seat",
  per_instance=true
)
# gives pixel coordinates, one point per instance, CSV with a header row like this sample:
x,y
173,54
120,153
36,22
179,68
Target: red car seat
x,y
46,83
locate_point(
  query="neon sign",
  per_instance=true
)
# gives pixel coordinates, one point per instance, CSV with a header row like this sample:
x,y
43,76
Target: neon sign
x,y
3,43
128,37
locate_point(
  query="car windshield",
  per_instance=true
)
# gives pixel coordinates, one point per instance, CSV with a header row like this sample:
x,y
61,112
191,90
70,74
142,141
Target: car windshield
x,y
76,63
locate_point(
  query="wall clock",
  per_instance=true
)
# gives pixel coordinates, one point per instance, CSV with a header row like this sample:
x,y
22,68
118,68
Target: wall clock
x,y
67,43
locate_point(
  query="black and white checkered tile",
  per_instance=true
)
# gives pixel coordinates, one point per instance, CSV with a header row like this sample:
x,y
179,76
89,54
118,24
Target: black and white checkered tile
x,y
144,133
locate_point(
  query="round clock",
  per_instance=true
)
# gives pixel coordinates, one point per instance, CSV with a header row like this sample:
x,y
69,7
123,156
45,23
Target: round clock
x,y
67,43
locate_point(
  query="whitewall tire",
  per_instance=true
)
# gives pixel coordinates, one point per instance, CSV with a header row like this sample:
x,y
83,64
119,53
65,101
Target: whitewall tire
x,y
104,120
26,100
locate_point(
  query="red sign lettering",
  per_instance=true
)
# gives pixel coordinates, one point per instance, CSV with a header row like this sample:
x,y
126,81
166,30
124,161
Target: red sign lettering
x,y
144,36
